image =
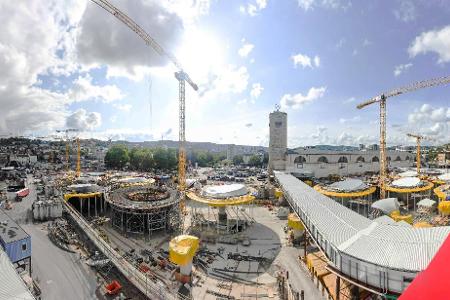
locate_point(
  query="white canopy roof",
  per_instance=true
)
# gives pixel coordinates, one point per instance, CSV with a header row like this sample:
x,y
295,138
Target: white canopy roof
x,y
406,182
426,202
445,177
387,205
408,174
347,185
225,191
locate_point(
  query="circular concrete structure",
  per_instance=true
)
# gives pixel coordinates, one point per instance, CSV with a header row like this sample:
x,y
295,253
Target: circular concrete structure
x,y
143,209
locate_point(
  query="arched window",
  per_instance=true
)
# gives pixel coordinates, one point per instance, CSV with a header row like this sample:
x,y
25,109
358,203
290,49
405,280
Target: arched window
x,y
323,160
388,158
360,159
343,160
407,157
398,158
299,160
375,159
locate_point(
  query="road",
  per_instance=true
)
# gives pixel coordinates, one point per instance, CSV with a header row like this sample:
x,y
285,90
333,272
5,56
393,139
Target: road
x,y
60,274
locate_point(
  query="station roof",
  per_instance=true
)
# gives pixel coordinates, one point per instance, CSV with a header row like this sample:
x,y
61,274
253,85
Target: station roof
x,y
11,285
10,231
386,245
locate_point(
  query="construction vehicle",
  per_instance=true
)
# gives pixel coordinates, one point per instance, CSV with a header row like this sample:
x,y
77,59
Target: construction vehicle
x,y
382,100
418,138
180,75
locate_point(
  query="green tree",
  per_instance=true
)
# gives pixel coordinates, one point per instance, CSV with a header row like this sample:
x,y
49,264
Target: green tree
x,y
238,160
160,159
117,157
172,159
147,161
255,160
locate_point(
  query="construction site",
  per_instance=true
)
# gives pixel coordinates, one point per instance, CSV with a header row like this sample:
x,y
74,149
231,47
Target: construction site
x,y
278,223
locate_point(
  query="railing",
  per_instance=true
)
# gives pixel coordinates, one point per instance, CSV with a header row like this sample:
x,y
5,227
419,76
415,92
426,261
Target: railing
x,y
140,280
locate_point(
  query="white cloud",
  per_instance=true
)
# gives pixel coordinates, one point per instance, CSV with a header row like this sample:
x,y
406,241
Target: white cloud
x,y
253,8
123,107
245,50
298,100
437,41
401,68
111,47
340,43
317,61
366,43
329,4
406,11
429,120
83,89
231,79
83,120
355,119
256,91
305,61
349,100
25,104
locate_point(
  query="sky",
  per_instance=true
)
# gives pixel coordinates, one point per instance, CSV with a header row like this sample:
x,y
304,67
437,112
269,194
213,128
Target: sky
x,y
70,64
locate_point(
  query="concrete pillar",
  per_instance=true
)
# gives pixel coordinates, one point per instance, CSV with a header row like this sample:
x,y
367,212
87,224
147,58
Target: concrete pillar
x,y
338,287
354,293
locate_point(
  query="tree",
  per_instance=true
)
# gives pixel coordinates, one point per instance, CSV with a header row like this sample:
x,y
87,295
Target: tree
x,y
160,159
238,160
117,157
255,160
147,163
172,159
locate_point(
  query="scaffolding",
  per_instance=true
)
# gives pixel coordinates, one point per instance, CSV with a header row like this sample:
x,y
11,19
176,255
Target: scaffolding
x,y
143,217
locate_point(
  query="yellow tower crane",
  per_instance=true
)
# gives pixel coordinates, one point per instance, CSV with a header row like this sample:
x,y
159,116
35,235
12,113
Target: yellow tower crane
x,y
418,138
180,75
382,100
67,140
78,169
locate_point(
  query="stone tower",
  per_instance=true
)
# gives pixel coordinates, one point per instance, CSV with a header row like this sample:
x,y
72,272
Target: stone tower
x,y
277,140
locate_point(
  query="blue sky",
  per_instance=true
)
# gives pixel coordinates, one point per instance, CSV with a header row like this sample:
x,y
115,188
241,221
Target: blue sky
x,y
316,58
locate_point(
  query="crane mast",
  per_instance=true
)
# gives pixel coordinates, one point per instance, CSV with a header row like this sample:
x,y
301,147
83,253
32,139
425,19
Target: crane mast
x,y
180,75
382,100
418,138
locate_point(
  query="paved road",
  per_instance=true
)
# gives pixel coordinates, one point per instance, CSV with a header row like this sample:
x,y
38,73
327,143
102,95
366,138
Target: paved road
x,y
298,277
60,274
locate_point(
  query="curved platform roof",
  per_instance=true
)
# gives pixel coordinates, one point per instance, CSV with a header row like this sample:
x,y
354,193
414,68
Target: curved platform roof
x,y
224,191
246,199
379,243
118,198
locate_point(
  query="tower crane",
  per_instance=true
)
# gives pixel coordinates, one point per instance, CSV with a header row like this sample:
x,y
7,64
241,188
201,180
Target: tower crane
x,y
382,100
66,134
418,138
180,75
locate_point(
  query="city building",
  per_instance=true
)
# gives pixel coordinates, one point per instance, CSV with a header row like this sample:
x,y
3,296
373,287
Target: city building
x,y
321,163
